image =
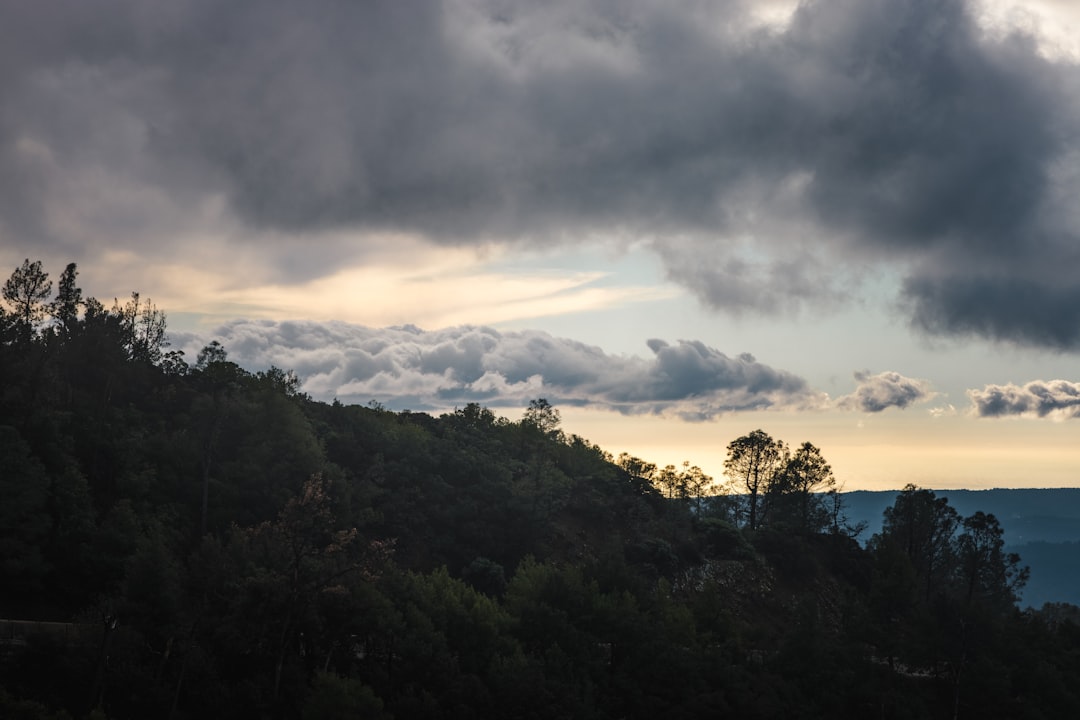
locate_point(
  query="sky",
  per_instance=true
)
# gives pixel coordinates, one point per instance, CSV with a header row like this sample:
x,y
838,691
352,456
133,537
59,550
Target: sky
x,y
849,222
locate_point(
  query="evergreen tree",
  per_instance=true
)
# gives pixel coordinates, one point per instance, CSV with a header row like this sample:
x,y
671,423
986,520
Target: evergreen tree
x,y
27,292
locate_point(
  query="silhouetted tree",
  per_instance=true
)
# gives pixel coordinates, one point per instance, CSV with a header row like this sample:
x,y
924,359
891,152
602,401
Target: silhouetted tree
x,y
695,484
543,416
26,292
986,572
753,463
143,329
65,308
795,493
210,354
923,526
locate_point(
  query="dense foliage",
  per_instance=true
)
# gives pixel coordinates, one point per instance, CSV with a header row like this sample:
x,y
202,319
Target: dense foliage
x,y
208,542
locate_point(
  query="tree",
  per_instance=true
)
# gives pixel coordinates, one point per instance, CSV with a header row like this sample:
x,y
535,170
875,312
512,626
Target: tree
x,y
690,482
543,416
922,526
986,572
173,363
796,489
299,557
695,483
548,487
143,327
222,381
669,482
286,382
754,461
65,308
210,354
26,366
474,416
26,292
636,467
839,523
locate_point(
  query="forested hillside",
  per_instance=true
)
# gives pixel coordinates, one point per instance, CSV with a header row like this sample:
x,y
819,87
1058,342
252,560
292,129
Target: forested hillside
x,y
210,542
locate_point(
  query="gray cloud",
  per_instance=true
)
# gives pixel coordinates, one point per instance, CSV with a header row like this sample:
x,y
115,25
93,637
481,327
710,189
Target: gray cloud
x,y
766,167
1039,398
875,393
405,367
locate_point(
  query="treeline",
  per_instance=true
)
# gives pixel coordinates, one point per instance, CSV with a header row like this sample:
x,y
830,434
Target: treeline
x,y
221,545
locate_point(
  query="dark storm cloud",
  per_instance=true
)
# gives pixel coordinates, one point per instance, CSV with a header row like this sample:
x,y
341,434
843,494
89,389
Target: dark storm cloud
x,y
766,167
875,393
1037,305
408,367
1039,398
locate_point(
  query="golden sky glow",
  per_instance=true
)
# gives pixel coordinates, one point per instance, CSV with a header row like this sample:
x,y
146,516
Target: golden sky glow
x,y
885,454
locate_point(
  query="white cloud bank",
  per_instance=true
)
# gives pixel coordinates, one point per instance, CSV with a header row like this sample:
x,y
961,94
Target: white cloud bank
x,y
423,370
406,367
1055,399
875,393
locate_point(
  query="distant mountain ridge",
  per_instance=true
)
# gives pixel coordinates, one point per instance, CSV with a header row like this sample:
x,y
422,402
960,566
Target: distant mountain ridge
x,y
1041,524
